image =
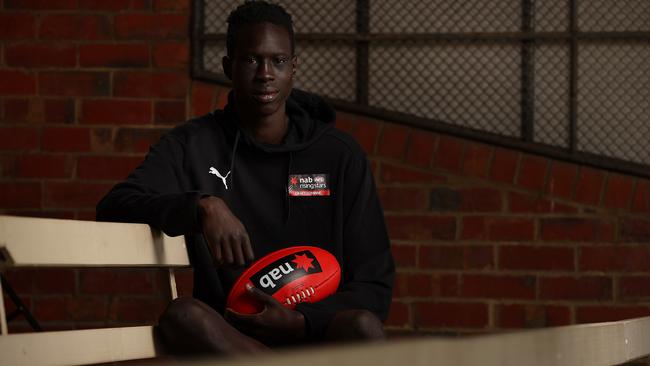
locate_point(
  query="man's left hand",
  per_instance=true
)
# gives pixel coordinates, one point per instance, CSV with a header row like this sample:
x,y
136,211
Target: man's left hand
x,y
274,324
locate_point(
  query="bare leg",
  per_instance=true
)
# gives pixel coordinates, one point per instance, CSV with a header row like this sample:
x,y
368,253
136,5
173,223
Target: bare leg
x,y
190,327
355,325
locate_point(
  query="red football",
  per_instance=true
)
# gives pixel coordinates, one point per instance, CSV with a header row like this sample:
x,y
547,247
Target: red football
x,y
292,275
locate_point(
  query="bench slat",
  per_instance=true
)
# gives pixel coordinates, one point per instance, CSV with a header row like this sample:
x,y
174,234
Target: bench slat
x,y
78,347
27,241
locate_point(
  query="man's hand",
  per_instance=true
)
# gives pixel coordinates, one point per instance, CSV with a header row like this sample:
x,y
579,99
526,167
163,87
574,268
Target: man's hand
x,y
224,233
274,324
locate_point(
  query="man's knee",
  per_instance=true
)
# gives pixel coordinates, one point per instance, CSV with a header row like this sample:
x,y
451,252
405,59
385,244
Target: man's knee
x,y
350,325
180,323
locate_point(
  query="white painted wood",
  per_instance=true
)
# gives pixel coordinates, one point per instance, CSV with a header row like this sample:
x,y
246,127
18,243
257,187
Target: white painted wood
x,y
589,344
3,314
78,347
172,284
29,241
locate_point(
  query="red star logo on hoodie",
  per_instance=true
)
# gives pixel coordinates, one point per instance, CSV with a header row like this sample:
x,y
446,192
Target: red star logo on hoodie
x,y
294,180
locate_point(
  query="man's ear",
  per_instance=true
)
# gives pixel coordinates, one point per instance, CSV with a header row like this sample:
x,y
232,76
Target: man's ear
x,y
226,63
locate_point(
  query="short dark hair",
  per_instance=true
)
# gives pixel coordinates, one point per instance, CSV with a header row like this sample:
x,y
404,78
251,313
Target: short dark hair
x,y
255,12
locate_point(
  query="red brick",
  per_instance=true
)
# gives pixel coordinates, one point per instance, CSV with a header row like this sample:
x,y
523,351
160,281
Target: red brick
x,y
413,285
366,133
498,287
399,315
574,229
641,199
403,199
635,230
532,173
106,167
18,110
173,55
62,139
572,288
437,314
203,96
114,5
615,258
171,5
590,182
532,316
184,281
136,309
50,309
169,112
74,195
17,26
150,84
404,255
74,83
601,313
43,166
59,111
21,280
113,281
504,165
74,26
396,174
8,166
151,26
456,257
18,138
561,179
393,141
420,148
41,4
114,55
90,308
136,139
480,200
115,112
449,153
222,97
55,281
521,203
634,288
16,82
41,55
20,195
497,228
476,162
519,257
618,193
421,227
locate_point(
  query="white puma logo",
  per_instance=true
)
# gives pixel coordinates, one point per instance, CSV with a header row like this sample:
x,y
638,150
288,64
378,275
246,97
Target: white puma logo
x,y
223,178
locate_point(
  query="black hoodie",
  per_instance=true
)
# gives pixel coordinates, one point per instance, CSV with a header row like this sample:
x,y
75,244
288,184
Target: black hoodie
x,y
188,163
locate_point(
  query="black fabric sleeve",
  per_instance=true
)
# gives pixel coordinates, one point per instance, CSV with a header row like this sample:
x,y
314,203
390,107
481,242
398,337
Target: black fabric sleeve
x,y
153,193
367,262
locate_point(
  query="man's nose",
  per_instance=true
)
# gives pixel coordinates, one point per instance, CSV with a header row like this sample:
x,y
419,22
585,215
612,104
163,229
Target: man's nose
x,y
265,71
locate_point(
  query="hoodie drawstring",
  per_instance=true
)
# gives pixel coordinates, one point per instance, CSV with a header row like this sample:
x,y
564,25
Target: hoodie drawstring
x,y
232,160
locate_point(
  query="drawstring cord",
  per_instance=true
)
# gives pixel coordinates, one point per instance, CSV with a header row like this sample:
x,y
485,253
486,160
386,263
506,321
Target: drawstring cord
x,y
232,160
287,197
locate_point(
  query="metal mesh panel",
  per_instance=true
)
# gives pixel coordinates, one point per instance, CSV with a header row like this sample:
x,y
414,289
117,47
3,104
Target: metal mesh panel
x,y
504,68
472,85
552,95
608,15
417,16
614,102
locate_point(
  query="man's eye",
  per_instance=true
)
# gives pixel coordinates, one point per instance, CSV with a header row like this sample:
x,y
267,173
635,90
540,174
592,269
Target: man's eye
x,y
280,60
251,60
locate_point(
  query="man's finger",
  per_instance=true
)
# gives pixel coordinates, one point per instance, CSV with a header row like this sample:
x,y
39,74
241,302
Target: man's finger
x,y
248,249
261,295
227,250
238,255
218,255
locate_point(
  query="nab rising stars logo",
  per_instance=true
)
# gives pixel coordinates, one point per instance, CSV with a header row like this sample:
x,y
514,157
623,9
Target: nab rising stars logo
x,y
285,270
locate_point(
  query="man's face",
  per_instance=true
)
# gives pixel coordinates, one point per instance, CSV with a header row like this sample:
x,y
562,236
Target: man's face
x,y
261,69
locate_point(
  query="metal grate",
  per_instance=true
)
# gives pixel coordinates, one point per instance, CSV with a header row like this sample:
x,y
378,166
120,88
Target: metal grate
x,y
566,78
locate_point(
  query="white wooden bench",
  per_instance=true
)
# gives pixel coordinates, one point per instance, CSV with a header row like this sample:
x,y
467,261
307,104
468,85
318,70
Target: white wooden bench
x,y
37,242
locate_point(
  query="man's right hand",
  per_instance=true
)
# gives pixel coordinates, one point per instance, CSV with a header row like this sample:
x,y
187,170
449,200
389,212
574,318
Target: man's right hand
x,y
225,234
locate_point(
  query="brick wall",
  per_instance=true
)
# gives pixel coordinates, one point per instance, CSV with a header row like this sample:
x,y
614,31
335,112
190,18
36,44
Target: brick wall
x,y
485,238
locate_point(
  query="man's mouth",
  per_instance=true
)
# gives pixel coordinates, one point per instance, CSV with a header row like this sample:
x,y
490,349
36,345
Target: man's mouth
x,y
265,96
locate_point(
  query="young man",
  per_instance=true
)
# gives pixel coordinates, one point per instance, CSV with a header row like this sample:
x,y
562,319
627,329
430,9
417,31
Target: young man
x,y
227,181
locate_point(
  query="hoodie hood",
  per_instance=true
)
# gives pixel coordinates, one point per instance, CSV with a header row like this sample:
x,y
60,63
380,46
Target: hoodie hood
x,y
309,118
